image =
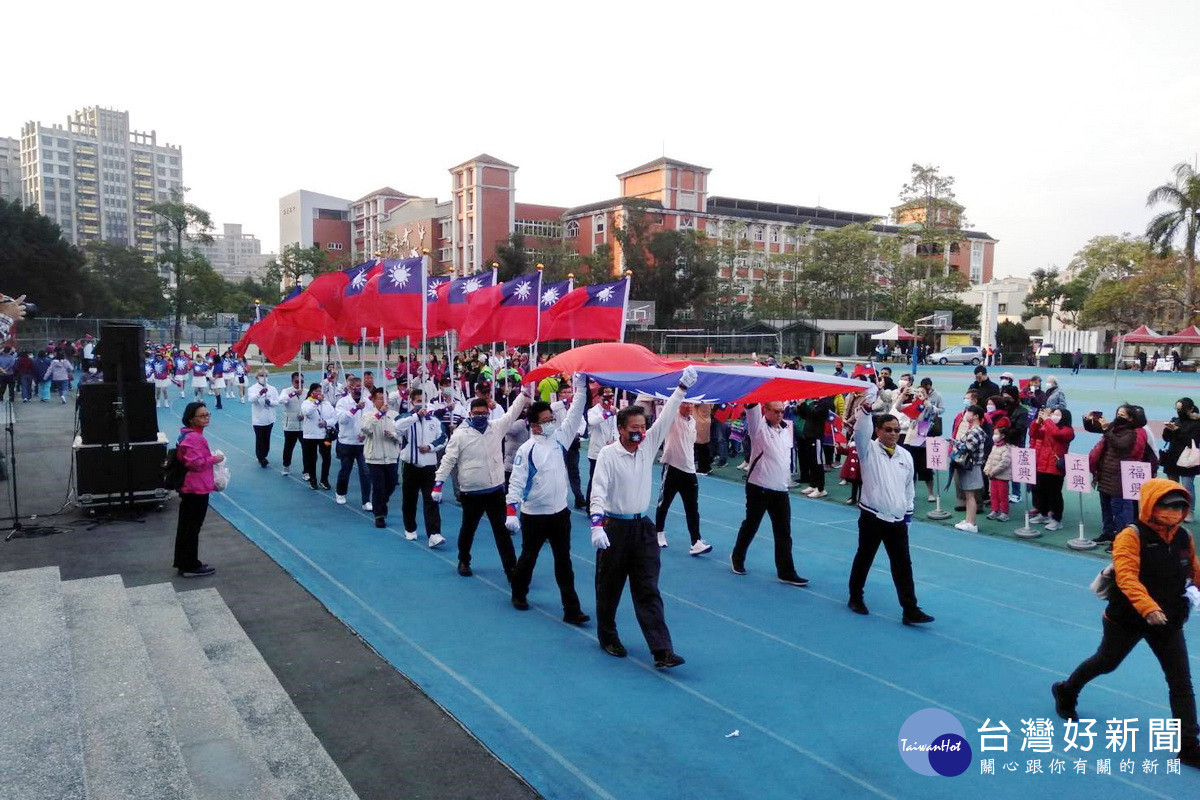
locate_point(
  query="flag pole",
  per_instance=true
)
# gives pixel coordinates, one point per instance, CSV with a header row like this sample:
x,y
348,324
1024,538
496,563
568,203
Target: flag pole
x,y
424,311
625,305
571,288
533,348
362,351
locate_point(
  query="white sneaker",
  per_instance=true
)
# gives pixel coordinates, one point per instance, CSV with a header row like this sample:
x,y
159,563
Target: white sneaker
x,y
436,540
792,484
410,535
284,471
700,548
809,490
1002,517
340,498
1037,519
744,466
1014,498
817,495
304,476
968,527
843,482
662,539
992,515
368,507
1053,525
931,499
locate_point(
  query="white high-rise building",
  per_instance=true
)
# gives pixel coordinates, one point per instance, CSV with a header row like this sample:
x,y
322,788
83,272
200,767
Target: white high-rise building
x,y
10,169
97,178
234,255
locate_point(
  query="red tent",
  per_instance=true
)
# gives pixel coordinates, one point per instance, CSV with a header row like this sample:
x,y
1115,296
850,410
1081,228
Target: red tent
x,y
1189,335
1143,335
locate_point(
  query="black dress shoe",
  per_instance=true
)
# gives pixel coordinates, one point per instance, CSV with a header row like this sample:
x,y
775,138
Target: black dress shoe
x,y
381,522
858,607
916,617
576,618
615,649
262,462
325,485
665,659
1064,700
464,569
520,603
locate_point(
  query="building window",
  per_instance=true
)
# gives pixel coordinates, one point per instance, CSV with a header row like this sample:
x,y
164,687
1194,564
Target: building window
x,y
543,229
598,223
976,274
774,235
1002,308
687,224
758,233
334,246
445,231
571,229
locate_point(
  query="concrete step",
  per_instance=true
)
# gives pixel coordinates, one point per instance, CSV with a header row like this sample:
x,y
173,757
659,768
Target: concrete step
x,y
222,760
302,768
41,754
129,748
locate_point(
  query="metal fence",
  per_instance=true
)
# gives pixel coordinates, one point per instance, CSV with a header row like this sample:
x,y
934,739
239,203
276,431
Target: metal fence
x,y
41,333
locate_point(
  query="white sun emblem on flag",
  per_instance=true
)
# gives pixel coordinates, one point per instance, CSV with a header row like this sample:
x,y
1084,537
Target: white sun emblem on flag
x,y
433,289
360,279
522,291
550,296
399,275
605,294
470,285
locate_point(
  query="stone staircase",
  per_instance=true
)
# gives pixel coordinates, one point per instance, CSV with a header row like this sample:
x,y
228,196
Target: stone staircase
x,y
108,693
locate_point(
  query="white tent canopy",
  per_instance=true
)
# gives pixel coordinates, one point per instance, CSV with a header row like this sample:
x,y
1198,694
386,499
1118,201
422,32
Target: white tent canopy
x,y
893,334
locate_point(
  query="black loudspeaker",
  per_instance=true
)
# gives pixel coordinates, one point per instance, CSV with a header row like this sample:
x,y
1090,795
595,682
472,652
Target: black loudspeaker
x,y
107,475
122,352
101,408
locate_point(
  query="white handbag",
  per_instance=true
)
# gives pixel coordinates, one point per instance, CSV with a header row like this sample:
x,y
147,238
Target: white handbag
x,y
1190,457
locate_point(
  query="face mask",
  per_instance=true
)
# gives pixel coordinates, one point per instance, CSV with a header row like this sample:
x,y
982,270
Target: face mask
x,y
91,370
261,381
998,439
478,423
637,437
1005,382
1167,517
549,428
606,401
990,408
1056,418
966,402
357,395
418,406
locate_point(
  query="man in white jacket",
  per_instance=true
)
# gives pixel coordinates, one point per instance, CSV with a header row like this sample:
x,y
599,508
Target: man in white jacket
x,y
350,439
602,429
477,449
290,398
538,489
886,507
679,478
381,448
422,441
263,401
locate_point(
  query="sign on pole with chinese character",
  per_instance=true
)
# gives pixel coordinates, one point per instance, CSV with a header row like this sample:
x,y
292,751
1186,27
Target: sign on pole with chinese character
x,y
1133,475
1024,464
937,453
1078,477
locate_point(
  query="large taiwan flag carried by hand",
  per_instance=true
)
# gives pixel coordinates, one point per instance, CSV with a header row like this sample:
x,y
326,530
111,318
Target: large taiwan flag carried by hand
x,y
451,306
433,325
348,326
504,313
589,312
394,299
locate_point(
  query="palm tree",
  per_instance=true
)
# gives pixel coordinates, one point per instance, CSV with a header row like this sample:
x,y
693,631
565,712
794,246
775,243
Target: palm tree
x,y
1184,198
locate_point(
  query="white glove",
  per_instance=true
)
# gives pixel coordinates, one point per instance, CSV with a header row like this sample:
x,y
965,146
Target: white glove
x,y
513,524
436,494
579,383
599,538
1193,594
872,392
689,377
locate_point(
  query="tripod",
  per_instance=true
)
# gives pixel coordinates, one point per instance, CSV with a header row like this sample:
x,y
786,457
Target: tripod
x,y
17,528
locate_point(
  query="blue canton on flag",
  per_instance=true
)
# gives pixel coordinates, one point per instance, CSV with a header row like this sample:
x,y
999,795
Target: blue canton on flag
x,y
553,292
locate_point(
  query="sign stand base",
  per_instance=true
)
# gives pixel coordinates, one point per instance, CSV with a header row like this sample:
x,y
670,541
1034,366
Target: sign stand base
x,y
1082,543
1027,531
938,512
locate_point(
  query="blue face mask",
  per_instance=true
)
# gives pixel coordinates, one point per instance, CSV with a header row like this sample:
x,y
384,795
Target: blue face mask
x,y
478,423
636,437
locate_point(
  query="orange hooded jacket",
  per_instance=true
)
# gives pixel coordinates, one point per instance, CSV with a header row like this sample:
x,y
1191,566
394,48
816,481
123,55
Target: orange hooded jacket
x,y
1127,548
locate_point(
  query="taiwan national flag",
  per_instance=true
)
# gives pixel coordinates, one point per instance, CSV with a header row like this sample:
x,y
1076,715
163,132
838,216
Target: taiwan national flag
x,y
433,325
394,298
348,326
452,300
589,312
504,313
552,293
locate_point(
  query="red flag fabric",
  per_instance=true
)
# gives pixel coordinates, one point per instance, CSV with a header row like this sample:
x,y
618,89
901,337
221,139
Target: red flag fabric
x,y
504,313
348,325
589,312
912,410
278,343
393,298
452,297
863,369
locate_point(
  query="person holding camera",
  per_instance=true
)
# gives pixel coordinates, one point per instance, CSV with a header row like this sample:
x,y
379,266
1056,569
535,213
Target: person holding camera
x,y
13,311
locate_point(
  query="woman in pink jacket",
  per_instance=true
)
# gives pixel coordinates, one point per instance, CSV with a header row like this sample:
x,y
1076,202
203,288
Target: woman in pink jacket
x,y
193,453
1050,435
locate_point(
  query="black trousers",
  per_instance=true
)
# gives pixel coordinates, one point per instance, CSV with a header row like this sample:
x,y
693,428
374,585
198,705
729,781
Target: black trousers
x,y
383,483
872,531
812,463
1048,495
262,442
778,505
8,384
419,481
591,472
289,446
1169,646
632,554
192,510
703,455
474,506
536,530
310,449
677,482
350,455
571,457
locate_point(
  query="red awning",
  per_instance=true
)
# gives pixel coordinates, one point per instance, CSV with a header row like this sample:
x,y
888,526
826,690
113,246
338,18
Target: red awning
x,y
1142,334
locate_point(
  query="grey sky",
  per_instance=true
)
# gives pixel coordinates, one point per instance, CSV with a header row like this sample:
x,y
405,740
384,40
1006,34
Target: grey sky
x,y
1056,118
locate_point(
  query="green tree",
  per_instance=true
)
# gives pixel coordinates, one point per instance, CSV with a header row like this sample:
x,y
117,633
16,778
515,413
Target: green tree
x,y
512,258
936,218
36,261
1012,337
1182,217
1050,297
1153,294
842,266
125,283
284,271
183,222
205,292
675,269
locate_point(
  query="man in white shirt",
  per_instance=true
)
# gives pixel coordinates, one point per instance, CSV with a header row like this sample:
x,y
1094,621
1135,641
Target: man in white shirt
x,y
679,478
567,396
350,410
477,449
887,508
602,430
290,398
622,533
263,400
538,491
767,489
424,439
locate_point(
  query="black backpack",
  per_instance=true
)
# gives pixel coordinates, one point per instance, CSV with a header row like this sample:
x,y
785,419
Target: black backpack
x,y
173,470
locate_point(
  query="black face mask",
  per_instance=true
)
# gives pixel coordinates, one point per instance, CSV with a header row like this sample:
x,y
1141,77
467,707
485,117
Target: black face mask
x,y
357,395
